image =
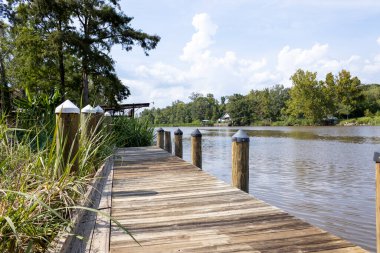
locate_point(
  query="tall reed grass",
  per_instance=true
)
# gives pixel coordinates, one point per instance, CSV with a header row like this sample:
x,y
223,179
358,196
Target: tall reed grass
x,y
132,132
36,202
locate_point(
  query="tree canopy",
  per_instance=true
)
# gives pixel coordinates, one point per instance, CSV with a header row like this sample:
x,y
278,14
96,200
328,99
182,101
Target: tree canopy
x,y
54,45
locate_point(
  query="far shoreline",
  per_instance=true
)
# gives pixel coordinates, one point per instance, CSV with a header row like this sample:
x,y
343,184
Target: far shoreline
x,y
361,121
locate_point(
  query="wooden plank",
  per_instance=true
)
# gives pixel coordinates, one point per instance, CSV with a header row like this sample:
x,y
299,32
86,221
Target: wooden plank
x,y
101,234
170,205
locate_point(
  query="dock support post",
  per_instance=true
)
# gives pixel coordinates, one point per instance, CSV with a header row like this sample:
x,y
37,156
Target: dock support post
x,y
88,121
98,118
168,142
178,151
376,158
67,139
108,121
160,138
196,148
240,160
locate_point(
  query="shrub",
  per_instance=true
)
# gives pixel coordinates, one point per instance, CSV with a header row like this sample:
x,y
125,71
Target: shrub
x,y
129,132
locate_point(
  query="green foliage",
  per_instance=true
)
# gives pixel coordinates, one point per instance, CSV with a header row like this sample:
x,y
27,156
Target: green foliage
x,y
50,45
342,93
315,100
131,132
264,106
306,97
37,109
35,201
240,109
5,93
367,120
200,108
371,99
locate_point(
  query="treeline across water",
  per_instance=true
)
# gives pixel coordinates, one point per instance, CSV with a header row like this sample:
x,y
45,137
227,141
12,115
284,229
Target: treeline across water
x,y
308,101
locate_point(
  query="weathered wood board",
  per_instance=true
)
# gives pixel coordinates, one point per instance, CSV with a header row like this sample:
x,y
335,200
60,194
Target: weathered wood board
x,y
170,205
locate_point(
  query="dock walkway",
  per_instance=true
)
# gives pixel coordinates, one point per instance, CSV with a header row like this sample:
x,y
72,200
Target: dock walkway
x,y
170,206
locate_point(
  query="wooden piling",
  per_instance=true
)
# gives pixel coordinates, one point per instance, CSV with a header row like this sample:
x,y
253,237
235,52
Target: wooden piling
x,y
178,150
108,121
196,148
376,158
160,138
168,142
98,118
67,139
240,160
88,121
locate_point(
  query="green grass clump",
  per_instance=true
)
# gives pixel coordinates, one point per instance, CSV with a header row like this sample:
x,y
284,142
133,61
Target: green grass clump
x,y
131,132
366,120
37,192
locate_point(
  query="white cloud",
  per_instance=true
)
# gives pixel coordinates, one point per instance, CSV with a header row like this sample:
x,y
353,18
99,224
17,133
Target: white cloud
x,y
372,66
314,59
289,60
202,39
163,72
202,71
152,91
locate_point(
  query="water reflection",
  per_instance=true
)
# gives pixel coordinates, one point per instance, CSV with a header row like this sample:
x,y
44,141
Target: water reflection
x,y
324,175
301,135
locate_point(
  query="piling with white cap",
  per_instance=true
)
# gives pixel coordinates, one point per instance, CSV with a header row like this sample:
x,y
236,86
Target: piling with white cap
x,y
240,160
107,121
88,121
99,112
67,140
99,109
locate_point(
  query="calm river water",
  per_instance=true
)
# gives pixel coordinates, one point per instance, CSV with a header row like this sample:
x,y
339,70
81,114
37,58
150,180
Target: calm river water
x,y
324,175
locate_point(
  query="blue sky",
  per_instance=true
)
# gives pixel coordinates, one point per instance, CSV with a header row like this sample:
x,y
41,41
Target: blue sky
x,y
233,46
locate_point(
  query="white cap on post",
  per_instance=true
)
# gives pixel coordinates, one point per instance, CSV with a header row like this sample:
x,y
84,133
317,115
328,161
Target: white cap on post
x,y
88,109
99,109
67,107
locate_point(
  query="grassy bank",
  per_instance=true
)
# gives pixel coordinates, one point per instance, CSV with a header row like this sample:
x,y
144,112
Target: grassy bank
x,y
362,121
37,192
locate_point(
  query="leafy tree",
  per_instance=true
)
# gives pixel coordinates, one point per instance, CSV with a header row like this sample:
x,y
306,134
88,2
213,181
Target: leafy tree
x,y
342,93
278,97
306,97
101,25
347,92
39,30
371,98
58,44
5,94
238,109
203,108
54,18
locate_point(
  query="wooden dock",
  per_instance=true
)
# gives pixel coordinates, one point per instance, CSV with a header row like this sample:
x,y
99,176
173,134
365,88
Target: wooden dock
x,y
170,205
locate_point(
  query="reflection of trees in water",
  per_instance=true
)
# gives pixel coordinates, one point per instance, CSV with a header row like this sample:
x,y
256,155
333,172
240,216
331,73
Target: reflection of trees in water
x,y
294,133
